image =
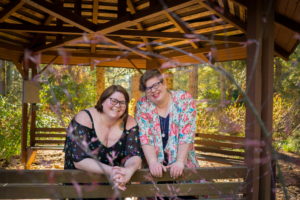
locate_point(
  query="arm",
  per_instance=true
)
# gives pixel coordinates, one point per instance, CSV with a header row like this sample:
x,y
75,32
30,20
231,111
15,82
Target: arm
x,y
186,135
133,156
147,141
91,165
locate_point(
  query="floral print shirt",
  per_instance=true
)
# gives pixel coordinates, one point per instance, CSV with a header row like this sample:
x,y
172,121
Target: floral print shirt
x,y
82,142
182,126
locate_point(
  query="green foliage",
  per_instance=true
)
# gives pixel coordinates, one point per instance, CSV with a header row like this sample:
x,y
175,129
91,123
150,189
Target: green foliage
x,y
227,119
292,143
10,127
66,91
119,76
11,115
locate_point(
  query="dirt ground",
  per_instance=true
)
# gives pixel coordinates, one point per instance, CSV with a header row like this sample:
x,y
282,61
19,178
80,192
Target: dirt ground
x,y
289,164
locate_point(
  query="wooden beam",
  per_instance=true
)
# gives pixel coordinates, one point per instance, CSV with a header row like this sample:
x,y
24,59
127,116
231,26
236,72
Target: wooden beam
x,y
98,54
122,5
10,8
267,185
281,52
279,18
139,26
40,29
59,23
63,14
24,130
95,21
288,23
181,27
68,17
127,21
202,50
148,13
40,39
78,7
179,36
253,92
212,6
135,67
123,22
235,21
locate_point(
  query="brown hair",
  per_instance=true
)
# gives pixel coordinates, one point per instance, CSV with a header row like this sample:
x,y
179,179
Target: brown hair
x,y
148,75
107,93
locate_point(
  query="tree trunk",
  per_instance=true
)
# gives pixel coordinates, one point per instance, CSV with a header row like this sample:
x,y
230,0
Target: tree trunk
x,y
222,88
278,73
193,82
100,85
8,76
2,78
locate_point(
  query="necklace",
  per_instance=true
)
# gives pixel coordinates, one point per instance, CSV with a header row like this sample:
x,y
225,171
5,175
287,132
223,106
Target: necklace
x,y
164,122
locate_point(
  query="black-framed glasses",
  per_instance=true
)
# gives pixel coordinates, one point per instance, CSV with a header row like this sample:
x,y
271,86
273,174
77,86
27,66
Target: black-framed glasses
x,y
115,102
154,86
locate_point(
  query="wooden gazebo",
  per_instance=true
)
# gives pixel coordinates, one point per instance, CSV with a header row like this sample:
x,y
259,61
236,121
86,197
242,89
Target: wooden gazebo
x,y
146,34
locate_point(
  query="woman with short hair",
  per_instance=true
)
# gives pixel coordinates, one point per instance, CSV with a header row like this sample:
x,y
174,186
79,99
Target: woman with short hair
x,y
167,122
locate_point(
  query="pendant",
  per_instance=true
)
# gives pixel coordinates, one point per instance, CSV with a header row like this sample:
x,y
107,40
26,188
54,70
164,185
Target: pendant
x,y
163,135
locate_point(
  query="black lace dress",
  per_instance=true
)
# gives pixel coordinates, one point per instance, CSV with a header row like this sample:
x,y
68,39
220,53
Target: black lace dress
x,y
82,142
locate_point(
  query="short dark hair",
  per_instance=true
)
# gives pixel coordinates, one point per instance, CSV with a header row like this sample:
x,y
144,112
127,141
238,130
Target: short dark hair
x,y
148,75
107,93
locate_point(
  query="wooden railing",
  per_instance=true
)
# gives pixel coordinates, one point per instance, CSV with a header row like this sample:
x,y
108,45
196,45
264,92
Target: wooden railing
x,y
222,183
49,138
220,148
215,147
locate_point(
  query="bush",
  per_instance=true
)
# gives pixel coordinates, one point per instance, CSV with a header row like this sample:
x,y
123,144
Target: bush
x,y
10,128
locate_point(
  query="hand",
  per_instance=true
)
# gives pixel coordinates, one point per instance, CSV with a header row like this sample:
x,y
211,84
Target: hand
x,y
156,169
176,169
120,176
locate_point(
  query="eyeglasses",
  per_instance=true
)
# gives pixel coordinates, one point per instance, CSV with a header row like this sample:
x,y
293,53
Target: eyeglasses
x,y
115,102
154,86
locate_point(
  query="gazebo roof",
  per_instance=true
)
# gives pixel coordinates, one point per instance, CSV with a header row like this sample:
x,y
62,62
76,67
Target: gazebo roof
x,y
135,33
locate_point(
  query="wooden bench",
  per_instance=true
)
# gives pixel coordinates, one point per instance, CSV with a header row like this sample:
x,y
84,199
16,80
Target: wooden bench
x,y
220,148
44,139
225,182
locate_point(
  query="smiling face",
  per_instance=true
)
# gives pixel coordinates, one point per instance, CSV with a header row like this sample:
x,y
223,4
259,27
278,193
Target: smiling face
x,y
115,105
156,90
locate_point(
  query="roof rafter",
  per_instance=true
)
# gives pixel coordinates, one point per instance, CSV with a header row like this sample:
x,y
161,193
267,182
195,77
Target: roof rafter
x,y
95,20
40,29
181,27
63,14
126,21
287,23
236,22
73,19
198,51
139,25
10,8
226,16
279,19
180,36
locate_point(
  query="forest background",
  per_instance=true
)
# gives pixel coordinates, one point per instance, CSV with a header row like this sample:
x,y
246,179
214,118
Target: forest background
x,y
65,90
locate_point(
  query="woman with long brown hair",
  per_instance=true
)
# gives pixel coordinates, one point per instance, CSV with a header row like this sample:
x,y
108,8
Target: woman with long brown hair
x,y
104,139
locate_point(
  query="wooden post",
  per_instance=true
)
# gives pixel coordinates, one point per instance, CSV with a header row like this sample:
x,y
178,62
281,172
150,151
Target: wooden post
x,y
100,85
193,82
24,119
33,114
253,80
152,64
266,172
